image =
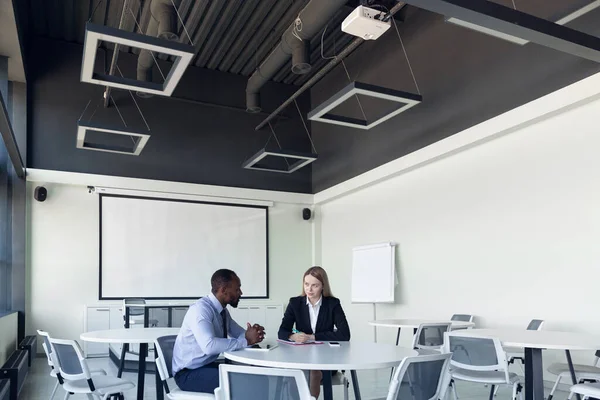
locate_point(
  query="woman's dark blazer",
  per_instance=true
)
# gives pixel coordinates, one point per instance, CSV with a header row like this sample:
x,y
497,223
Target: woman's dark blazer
x,y
330,314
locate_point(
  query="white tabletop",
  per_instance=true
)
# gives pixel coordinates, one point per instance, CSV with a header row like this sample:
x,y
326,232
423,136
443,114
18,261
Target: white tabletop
x,y
414,323
538,339
348,356
133,335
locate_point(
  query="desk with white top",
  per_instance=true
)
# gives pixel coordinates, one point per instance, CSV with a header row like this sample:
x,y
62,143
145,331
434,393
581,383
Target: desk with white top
x,y
415,323
348,356
534,342
143,337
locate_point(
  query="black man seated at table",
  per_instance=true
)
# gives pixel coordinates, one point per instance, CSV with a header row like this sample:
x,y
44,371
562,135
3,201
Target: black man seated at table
x,y
207,331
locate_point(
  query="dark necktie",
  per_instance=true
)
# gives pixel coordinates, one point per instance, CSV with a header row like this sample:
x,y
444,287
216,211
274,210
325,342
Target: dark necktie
x,y
224,319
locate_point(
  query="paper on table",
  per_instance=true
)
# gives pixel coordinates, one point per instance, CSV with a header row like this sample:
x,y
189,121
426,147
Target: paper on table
x,y
298,344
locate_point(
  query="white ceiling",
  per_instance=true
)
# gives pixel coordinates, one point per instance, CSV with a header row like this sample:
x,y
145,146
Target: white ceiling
x,y
9,42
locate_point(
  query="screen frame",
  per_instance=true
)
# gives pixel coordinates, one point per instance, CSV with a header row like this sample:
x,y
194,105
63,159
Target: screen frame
x,y
102,195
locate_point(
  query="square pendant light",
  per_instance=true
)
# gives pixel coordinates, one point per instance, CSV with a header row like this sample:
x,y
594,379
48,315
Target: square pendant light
x,y
182,53
260,161
91,136
323,113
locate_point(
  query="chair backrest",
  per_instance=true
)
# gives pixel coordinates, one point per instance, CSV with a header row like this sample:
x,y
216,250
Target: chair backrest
x,y
430,336
420,378
164,349
597,360
46,345
68,358
476,353
462,317
535,325
237,381
133,311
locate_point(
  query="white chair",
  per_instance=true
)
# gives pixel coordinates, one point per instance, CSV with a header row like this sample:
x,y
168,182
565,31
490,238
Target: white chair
x,y
164,348
429,338
480,360
586,390
48,350
339,379
238,381
516,353
461,318
136,314
582,372
420,378
136,319
72,366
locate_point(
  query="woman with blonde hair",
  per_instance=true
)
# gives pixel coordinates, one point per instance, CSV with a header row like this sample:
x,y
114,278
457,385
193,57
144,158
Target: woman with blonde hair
x,y
317,316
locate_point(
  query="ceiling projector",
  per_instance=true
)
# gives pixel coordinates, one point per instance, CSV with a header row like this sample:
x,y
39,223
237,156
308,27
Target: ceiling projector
x,y
366,23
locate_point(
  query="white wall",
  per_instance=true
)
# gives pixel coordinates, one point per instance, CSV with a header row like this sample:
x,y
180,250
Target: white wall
x,y
63,257
507,231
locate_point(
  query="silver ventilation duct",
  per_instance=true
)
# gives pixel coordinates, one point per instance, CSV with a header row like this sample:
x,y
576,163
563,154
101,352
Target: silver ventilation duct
x,y
162,24
294,43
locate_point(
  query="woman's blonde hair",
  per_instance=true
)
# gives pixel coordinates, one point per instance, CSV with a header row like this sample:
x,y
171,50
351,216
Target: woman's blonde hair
x,y
321,275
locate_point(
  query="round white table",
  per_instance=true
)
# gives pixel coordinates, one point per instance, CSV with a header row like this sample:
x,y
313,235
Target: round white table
x,y
533,342
415,323
141,336
348,356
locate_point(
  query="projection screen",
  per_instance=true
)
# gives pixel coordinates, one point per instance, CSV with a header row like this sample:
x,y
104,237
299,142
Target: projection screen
x,y
168,249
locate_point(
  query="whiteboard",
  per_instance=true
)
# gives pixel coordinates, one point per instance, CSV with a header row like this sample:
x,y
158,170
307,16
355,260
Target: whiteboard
x,y
374,273
169,249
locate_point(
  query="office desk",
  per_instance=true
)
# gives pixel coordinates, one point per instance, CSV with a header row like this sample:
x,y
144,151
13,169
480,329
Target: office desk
x,y
350,356
414,324
533,342
143,337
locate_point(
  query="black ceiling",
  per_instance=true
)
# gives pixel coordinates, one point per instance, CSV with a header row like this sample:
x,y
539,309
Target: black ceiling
x,y
233,36
229,35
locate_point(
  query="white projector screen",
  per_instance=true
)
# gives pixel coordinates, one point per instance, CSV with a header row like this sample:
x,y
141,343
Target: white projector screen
x,y
168,249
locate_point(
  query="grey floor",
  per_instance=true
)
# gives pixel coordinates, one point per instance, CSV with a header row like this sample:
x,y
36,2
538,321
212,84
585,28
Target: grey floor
x,y
373,384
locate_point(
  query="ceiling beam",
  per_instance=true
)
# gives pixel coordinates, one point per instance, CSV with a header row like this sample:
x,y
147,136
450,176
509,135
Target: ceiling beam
x,y
512,22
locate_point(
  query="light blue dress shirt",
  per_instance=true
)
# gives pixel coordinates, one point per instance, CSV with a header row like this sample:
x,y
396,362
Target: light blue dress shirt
x,y
200,340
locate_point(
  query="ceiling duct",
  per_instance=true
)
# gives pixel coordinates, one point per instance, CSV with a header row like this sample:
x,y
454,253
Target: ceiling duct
x,y
162,24
294,43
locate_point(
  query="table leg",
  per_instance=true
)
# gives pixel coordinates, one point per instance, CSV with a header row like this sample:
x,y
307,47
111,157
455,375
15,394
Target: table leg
x,y
572,371
534,374
397,341
355,385
141,370
327,386
124,349
159,385
492,392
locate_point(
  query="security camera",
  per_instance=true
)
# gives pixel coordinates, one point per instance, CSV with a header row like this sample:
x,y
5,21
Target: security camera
x,y
91,189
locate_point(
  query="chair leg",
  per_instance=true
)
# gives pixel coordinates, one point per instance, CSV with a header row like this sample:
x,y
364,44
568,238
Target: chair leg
x,y
346,384
54,390
515,391
454,392
558,378
496,390
67,395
